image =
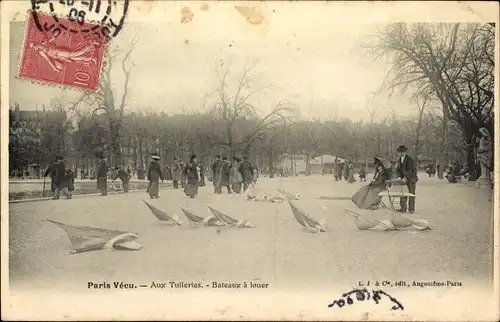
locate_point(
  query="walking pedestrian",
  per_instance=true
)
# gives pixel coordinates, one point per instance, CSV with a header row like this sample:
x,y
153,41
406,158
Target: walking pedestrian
x,y
176,173
154,176
124,177
225,174
60,178
407,171
217,174
192,175
102,176
362,174
246,170
236,175
51,170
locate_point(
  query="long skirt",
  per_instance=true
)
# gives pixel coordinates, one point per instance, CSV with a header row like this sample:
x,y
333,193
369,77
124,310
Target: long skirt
x,y
191,189
350,178
102,185
367,197
154,189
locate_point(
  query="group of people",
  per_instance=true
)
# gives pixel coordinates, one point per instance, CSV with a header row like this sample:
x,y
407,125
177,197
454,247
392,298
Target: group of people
x,y
406,171
344,169
62,179
235,176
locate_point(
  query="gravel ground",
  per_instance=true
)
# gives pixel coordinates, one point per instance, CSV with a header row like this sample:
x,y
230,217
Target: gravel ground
x,y
277,251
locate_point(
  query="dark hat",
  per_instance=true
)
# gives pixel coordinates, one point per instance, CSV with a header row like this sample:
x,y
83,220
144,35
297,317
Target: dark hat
x,y
218,156
192,157
402,148
175,158
224,158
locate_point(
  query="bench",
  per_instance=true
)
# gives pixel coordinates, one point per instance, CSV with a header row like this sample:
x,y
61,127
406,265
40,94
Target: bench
x,y
394,191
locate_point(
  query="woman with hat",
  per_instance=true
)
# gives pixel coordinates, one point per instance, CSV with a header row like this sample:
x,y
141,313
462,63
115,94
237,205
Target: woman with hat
x,y
193,178
154,176
367,197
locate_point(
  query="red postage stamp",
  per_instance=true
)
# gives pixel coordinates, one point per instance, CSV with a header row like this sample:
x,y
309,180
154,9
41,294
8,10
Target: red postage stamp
x,y
62,56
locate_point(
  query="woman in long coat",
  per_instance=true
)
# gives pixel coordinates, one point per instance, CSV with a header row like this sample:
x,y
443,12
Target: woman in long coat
x,y
367,197
193,178
154,176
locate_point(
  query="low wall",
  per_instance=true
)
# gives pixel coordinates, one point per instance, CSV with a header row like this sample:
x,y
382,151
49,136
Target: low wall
x,y
28,189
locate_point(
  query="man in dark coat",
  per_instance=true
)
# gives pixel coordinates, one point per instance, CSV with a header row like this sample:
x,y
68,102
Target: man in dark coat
x,y
217,174
246,170
102,176
407,171
60,178
52,171
124,177
154,176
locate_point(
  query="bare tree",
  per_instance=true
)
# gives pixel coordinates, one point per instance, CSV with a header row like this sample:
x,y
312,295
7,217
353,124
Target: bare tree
x,y
451,61
233,108
105,99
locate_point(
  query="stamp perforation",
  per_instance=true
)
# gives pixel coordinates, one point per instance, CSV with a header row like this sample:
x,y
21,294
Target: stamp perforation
x,y
49,83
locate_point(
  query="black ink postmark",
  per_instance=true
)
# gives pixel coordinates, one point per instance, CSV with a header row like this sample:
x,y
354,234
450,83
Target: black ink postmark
x,y
361,295
74,16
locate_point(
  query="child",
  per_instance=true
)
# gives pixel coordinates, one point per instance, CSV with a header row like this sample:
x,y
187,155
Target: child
x,y
362,174
69,183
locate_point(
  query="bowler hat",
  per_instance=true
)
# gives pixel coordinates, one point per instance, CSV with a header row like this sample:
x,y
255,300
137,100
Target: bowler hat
x,y
402,148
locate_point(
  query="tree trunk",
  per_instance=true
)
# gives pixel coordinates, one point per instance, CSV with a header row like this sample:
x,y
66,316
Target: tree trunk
x,y
443,159
471,164
271,163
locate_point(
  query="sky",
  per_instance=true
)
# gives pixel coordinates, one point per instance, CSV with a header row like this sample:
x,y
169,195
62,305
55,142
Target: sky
x,y
311,59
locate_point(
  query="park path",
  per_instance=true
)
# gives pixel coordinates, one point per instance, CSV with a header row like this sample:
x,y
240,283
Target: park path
x,y
277,251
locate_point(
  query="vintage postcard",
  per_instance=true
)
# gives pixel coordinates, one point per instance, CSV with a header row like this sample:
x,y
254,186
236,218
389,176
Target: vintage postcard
x,y
203,160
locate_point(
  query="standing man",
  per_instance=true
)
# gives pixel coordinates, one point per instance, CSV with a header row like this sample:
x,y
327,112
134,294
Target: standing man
x,y
246,170
60,178
154,176
102,176
407,171
176,173
217,174
52,171
225,175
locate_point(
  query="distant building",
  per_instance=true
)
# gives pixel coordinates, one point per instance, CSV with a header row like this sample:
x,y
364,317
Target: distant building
x,y
27,130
